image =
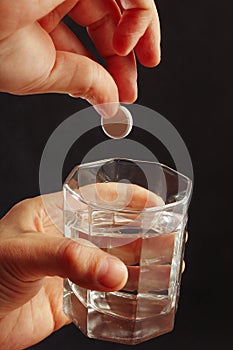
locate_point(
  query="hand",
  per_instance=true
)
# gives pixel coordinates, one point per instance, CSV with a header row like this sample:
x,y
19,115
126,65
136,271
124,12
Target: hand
x,y
34,259
31,248
39,54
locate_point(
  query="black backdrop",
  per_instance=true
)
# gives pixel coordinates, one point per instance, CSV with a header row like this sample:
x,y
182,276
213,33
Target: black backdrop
x,y
192,88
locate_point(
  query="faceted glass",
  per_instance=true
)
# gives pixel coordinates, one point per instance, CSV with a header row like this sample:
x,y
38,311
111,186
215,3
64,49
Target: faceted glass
x,y
137,211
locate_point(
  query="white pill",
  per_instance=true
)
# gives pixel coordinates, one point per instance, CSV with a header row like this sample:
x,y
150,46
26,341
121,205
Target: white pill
x,y
118,126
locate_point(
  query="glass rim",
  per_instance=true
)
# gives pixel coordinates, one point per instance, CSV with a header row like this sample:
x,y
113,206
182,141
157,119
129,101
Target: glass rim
x,y
182,201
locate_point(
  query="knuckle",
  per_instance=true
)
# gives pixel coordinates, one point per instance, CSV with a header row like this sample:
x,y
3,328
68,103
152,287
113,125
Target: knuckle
x,y
82,260
27,204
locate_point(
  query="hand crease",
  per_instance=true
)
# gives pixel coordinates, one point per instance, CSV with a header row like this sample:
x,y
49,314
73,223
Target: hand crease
x,y
95,25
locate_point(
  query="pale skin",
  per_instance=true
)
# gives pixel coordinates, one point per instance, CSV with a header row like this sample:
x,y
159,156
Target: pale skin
x,y
39,54
35,257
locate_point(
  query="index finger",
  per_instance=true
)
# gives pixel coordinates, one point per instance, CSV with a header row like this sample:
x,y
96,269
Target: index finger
x,y
117,195
101,18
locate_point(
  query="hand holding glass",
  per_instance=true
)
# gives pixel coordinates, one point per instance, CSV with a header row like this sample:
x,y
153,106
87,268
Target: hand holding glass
x,y
136,211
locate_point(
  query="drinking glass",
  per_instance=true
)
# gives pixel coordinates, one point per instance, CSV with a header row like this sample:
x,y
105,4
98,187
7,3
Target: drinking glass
x,y
137,211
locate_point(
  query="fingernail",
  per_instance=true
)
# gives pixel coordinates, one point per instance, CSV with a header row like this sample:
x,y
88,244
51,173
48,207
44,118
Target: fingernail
x,y
107,110
112,273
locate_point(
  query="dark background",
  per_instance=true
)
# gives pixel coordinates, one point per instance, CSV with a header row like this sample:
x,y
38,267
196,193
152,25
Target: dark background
x,y
192,88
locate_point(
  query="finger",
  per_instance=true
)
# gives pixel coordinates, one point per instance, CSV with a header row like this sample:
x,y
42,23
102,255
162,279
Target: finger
x,y
81,77
65,40
34,215
17,14
154,278
142,198
139,26
101,21
24,261
52,19
120,195
124,72
154,250
148,47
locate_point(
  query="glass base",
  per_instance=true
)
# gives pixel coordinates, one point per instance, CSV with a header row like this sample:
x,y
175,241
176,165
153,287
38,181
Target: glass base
x,y
104,326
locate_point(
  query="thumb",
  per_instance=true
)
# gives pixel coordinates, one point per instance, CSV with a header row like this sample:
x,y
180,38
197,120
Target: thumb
x,y
33,256
26,259
82,77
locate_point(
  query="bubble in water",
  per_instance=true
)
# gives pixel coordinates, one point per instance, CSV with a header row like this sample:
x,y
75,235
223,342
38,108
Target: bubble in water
x,y
166,222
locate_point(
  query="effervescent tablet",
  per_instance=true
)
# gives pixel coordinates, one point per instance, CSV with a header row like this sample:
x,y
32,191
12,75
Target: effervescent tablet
x,y
120,125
